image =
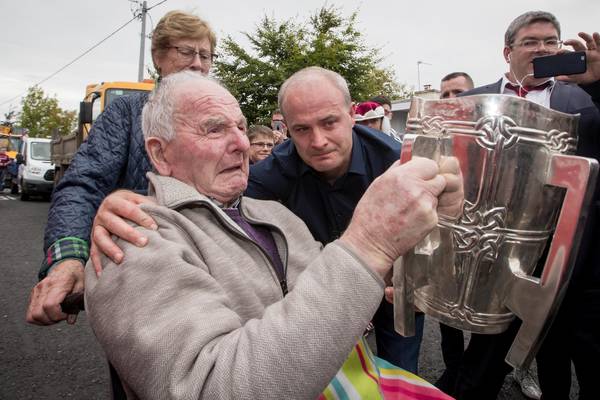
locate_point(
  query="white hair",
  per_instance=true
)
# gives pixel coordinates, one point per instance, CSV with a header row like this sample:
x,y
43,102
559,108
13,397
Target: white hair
x,y
157,116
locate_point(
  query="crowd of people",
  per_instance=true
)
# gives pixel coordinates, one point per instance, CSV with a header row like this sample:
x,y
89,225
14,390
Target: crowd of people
x,y
251,260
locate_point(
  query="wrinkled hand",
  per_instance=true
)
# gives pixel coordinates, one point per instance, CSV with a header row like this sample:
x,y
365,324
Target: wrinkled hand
x,y
592,50
395,213
44,302
110,219
450,202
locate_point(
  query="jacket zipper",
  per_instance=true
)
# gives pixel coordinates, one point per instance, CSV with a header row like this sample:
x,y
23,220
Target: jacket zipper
x,y
282,282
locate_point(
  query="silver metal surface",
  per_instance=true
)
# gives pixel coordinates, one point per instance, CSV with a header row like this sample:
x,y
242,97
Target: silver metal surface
x,y
523,191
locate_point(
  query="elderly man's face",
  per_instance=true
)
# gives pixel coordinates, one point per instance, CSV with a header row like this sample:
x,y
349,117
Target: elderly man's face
x,y
210,149
320,124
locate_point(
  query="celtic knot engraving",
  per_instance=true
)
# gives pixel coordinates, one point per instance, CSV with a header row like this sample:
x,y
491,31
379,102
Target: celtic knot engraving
x,y
433,125
560,141
480,232
493,129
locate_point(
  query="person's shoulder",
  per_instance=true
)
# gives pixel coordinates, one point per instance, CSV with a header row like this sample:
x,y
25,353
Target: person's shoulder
x,y
376,140
283,159
131,104
485,89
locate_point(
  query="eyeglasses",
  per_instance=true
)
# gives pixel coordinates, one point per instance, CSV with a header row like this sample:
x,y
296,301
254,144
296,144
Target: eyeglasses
x,y
262,144
187,54
534,44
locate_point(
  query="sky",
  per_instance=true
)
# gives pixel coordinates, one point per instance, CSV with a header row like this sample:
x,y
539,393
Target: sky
x,y
39,37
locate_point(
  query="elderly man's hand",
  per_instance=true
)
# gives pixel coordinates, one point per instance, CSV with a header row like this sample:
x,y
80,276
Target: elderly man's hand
x,y
395,213
592,50
110,219
44,301
450,202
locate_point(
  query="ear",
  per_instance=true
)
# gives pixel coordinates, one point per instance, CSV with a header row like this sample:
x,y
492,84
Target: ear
x,y
506,53
156,147
352,113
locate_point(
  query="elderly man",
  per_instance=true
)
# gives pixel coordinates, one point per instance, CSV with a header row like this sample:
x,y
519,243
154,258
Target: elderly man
x,y
232,297
320,175
574,335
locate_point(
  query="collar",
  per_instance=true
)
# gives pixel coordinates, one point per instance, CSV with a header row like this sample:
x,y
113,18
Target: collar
x,y
357,160
505,81
173,193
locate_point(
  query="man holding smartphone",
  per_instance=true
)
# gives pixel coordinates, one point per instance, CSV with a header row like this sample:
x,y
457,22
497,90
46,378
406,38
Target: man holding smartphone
x,y
574,336
279,127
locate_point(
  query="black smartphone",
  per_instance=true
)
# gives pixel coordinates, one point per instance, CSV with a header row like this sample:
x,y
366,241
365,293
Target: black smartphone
x,y
278,126
560,64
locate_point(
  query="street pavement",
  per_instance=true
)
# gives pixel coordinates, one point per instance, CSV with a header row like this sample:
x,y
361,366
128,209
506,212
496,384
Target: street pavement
x,y
64,361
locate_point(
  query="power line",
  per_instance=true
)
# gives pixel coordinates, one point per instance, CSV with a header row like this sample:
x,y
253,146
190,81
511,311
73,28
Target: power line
x,y
75,59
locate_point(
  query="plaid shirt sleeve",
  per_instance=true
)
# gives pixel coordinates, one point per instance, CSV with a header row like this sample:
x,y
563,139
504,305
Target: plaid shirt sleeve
x,y
63,249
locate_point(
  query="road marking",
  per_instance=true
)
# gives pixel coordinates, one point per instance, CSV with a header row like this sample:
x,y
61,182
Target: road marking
x,y
8,197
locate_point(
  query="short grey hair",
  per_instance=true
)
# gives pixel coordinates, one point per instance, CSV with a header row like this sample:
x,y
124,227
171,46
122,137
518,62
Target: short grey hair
x,y
527,19
309,73
157,115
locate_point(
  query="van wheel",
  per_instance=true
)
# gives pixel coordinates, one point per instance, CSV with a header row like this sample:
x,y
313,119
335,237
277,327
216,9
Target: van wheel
x,y
24,196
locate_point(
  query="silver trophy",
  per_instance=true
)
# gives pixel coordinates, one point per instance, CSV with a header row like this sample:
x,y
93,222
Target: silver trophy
x,y
525,196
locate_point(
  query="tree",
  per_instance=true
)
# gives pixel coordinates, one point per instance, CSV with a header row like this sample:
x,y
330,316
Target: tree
x,y
281,48
41,114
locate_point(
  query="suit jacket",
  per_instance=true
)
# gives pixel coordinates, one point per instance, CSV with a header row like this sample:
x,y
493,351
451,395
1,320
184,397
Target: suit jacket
x,y
573,99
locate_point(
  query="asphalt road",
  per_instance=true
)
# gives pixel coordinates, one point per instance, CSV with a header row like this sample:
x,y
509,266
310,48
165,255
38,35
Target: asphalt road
x,y
63,361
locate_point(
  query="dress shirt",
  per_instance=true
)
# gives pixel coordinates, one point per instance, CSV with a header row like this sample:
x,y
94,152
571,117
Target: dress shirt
x,y
541,97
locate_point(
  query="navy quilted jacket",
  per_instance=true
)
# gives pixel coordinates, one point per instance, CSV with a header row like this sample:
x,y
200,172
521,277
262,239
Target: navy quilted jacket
x,y
113,157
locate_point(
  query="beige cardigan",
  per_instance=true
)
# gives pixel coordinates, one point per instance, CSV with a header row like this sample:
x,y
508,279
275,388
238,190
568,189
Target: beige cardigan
x,y
199,313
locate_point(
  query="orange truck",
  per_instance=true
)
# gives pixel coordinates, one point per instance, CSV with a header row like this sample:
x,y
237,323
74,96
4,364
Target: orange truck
x,y
97,98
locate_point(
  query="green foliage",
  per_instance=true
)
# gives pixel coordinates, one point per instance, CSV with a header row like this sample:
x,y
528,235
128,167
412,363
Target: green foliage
x,y
279,49
40,114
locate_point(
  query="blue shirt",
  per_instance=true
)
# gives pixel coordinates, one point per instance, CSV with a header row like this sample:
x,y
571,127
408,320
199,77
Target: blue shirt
x,y
325,208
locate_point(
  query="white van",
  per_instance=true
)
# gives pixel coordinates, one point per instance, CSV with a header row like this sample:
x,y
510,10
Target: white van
x,y
38,172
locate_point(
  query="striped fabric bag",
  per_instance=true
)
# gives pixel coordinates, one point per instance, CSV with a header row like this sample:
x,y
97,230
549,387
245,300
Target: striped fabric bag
x,y
365,376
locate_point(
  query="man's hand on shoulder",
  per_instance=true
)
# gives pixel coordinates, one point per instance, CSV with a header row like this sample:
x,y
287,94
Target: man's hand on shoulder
x,y
111,218
44,302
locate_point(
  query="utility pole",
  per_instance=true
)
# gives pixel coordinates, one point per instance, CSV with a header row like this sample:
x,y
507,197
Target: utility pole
x,y
142,42
419,73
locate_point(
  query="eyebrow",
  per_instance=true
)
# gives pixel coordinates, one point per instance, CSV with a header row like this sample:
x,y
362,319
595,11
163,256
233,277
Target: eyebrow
x,y
220,121
536,38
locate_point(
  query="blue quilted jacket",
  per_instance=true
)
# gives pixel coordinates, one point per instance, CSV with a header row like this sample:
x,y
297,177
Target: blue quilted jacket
x,y
113,157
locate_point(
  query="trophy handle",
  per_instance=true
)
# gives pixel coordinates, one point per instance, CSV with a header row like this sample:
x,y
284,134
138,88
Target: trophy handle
x,y
536,300
404,311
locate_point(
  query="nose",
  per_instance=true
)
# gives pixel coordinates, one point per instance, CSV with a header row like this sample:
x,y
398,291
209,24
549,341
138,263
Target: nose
x,y
318,140
198,65
241,142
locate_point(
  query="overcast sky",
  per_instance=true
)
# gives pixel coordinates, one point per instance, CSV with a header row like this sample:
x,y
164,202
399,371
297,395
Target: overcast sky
x,y
38,37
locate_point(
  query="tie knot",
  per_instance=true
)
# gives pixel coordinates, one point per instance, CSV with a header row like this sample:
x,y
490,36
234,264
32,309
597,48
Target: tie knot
x,y
522,91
